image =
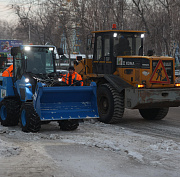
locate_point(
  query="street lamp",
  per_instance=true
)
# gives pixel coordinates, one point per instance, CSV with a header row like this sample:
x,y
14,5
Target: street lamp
x,y
29,32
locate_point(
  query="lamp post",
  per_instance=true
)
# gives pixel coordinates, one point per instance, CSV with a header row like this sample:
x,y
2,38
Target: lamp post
x,y
29,32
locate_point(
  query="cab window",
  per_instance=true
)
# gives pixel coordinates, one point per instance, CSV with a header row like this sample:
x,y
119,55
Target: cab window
x,y
99,48
107,48
18,66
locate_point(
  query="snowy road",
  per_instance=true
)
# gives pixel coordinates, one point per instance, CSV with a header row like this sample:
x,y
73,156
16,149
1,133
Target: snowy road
x,y
134,147
169,127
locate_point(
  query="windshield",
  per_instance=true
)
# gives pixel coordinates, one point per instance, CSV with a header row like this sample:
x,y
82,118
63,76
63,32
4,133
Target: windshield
x,y
126,44
39,60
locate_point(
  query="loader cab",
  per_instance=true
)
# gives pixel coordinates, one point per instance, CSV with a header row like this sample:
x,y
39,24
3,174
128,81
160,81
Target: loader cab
x,y
31,59
112,43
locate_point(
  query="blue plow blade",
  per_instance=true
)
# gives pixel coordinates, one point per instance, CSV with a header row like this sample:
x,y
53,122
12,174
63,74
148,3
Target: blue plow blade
x,y
66,102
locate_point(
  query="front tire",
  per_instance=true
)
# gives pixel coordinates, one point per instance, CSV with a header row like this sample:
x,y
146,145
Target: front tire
x,y
68,125
30,121
154,113
9,112
110,104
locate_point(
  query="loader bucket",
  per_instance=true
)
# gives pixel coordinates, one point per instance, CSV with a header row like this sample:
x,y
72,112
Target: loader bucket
x,y
66,102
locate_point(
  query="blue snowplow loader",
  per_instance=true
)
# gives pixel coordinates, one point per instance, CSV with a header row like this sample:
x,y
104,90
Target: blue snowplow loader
x,y
34,95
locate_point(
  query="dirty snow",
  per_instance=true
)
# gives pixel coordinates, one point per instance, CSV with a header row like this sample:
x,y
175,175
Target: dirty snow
x,y
8,149
140,148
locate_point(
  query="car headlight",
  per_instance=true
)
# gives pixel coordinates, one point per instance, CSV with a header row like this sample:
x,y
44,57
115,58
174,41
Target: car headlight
x,y
27,48
27,80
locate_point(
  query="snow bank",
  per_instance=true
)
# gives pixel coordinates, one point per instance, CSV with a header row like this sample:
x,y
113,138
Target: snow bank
x,y
141,148
8,149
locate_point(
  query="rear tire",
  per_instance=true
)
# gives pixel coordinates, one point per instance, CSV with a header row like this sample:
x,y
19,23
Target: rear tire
x,y
110,104
9,112
154,113
68,125
30,121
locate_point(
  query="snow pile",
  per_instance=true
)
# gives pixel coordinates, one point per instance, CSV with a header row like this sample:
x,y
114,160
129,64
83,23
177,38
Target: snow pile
x,y
165,145
140,148
113,144
7,149
136,156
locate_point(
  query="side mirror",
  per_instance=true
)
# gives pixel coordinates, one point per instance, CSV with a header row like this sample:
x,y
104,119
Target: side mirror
x,y
150,52
54,56
15,51
89,41
140,52
60,51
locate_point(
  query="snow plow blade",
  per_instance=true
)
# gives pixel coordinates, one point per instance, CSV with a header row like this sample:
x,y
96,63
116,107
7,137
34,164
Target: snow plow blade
x,y
66,102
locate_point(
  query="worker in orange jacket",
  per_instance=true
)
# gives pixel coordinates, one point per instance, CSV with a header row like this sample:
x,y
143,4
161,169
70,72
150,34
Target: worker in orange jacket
x,y
8,72
72,78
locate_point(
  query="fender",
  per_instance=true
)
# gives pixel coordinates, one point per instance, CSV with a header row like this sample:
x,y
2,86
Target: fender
x,y
118,83
6,87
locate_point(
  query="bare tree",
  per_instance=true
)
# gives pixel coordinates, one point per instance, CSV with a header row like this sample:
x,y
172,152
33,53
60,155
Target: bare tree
x,y
54,20
7,30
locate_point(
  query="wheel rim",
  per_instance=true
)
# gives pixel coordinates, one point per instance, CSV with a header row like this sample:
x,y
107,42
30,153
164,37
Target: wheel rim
x,y
3,112
103,104
23,117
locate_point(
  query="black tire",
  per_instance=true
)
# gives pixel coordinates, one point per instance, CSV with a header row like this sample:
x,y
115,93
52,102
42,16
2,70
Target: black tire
x,y
9,112
68,125
154,113
30,121
110,104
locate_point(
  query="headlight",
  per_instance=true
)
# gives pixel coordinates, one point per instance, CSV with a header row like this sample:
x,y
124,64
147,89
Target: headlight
x,y
27,48
51,48
27,80
142,35
115,35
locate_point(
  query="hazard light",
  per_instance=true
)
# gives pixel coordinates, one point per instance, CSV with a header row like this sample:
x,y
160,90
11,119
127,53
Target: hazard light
x,y
140,86
177,85
113,26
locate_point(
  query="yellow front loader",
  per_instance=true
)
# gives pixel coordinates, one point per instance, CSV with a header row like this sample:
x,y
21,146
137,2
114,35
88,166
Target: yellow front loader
x,y
126,78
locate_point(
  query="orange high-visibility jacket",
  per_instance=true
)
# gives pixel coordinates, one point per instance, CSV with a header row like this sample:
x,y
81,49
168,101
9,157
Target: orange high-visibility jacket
x,y
8,72
76,79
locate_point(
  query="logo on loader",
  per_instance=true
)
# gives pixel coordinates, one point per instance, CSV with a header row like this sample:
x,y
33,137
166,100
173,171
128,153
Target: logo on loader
x,y
159,75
